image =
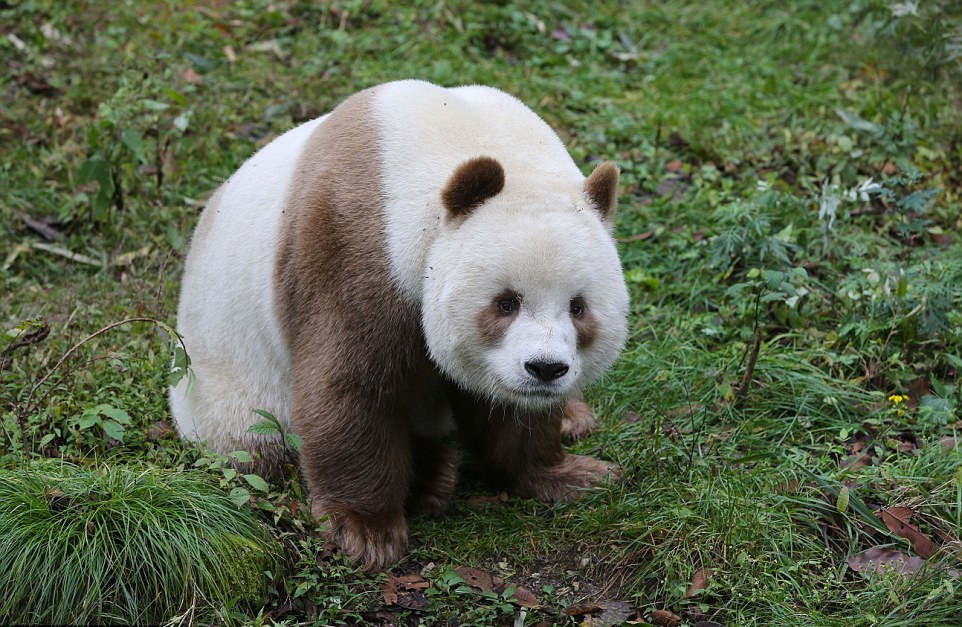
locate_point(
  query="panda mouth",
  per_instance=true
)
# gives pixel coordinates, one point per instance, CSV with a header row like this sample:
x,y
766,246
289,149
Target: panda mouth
x,y
539,395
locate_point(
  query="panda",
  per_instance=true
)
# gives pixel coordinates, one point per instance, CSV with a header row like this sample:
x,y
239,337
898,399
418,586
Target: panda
x,y
418,263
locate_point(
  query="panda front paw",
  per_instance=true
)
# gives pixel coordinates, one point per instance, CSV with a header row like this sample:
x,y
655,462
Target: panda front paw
x,y
372,542
563,481
578,419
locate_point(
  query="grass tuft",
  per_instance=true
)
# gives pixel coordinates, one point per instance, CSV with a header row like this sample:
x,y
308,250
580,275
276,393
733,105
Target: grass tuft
x,y
117,544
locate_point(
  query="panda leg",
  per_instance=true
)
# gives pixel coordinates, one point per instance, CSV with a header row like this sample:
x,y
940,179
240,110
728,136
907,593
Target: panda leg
x,y
435,476
578,420
357,460
520,449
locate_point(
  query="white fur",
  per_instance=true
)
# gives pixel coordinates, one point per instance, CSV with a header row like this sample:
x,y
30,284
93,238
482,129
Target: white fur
x,y
538,237
226,313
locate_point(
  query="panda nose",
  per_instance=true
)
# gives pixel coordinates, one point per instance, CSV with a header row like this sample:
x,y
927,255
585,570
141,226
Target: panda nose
x,y
546,371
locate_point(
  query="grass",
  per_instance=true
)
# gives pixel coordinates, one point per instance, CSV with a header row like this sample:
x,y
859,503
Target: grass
x,y
744,131
119,545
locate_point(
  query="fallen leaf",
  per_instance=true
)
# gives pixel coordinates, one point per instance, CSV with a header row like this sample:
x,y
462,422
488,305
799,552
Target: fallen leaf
x,y
674,166
632,416
413,581
948,442
897,520
389,591
664,618
580,609
476,578
879,559
230,54
525,598
161,430
699,581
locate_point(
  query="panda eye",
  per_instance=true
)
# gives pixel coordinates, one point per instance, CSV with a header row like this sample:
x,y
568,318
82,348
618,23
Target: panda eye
x,y
507,306
508,303
578,307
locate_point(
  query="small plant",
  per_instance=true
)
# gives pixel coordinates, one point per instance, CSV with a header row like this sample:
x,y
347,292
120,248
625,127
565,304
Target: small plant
x,y
117,544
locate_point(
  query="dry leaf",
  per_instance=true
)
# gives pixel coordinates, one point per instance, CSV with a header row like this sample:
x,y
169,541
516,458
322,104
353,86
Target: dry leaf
x,y
389,591
897,520
664,618
632,416
580,609
162,429
476,578
525,598
699,582
879,559
412,581
674,166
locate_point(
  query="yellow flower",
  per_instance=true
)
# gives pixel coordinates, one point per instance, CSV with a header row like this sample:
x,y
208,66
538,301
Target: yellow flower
x,y
898,398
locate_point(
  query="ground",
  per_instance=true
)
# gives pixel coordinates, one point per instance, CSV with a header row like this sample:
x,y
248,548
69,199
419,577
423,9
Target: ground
x,y
786,410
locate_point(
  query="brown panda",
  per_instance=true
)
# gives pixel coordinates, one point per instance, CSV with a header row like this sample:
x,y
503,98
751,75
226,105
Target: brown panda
x,y
419,261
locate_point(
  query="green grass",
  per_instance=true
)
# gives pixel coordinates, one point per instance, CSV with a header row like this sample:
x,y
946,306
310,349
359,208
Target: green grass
x,y
114,544
734,123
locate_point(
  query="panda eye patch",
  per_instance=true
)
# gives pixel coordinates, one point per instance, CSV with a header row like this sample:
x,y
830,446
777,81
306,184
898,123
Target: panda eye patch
x,y
578,307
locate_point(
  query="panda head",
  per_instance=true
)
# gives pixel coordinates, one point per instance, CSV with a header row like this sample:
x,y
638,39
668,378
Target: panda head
x,y
524,300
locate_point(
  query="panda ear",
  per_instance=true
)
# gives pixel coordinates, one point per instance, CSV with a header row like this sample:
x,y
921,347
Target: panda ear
x,y
601,188
472,183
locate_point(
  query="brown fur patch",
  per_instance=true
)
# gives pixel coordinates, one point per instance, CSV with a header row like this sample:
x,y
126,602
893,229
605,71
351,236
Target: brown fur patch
x,y
473,182
578,419
586,326
601,187
492,322
360,366
521,449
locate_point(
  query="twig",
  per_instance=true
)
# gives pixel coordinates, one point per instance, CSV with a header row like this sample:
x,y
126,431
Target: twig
x,y
756,343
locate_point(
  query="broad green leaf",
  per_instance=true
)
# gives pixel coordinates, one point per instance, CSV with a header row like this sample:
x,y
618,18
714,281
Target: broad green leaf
x,y
242,456
263,428
294,441
88,420
113,430
117,414
841,503
257,483
240,496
